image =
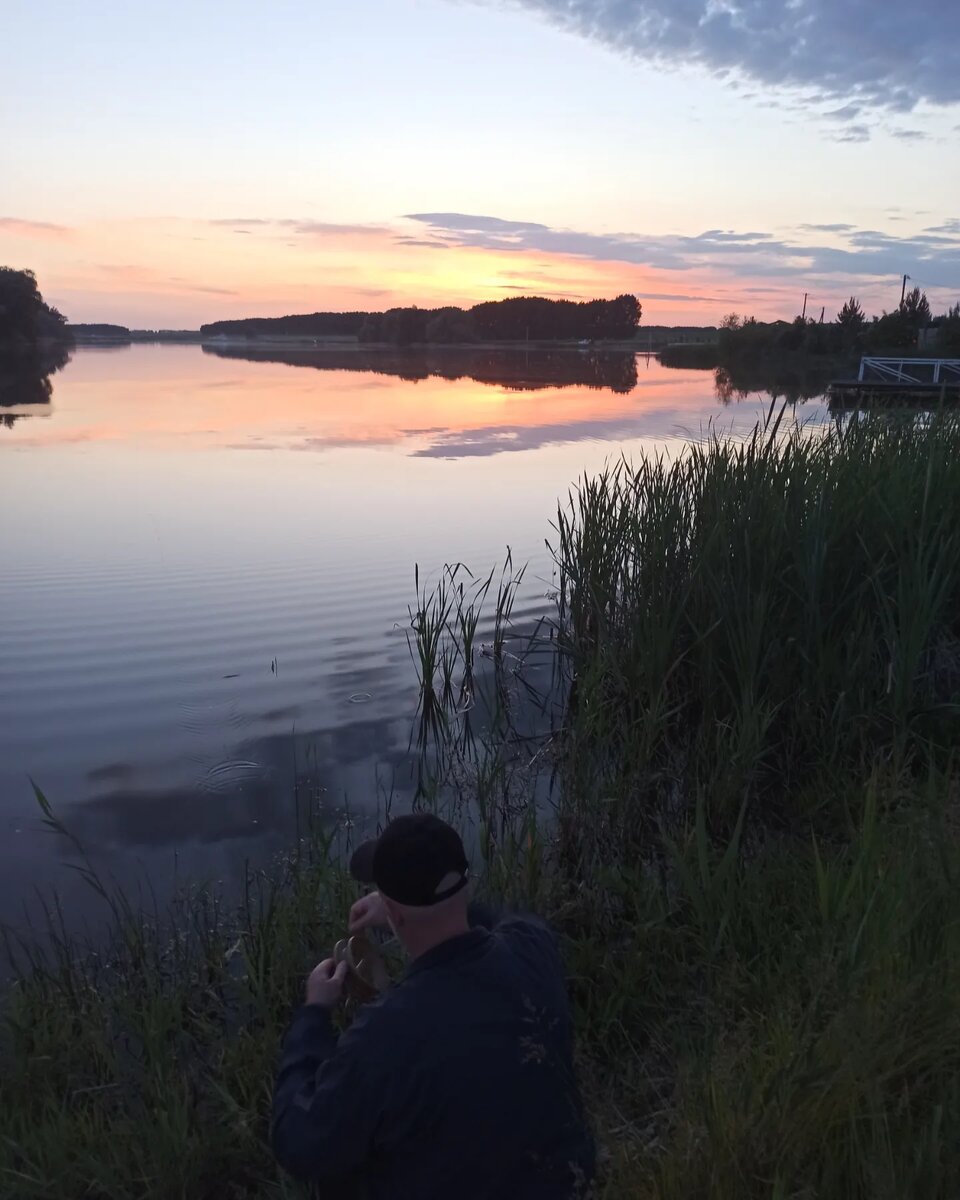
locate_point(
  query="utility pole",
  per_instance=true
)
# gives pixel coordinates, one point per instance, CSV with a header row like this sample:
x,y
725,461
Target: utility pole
x,y
822,311
803,315
903,290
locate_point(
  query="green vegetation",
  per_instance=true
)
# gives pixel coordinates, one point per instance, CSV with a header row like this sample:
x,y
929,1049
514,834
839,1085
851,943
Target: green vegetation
x,y
518,319
722,763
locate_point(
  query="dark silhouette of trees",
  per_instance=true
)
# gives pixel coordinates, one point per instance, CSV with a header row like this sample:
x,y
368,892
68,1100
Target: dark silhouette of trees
x,y
850,318
305,325
34,341
916,309
25,319
948,340
899,329
535,318
405,326
449,327
850,321
517,319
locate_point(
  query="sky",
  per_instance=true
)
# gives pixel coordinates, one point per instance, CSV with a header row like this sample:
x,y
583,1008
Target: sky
x,y
163,167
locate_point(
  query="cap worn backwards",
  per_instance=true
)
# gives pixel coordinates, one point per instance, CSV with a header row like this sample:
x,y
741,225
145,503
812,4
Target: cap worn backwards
x,y
418,860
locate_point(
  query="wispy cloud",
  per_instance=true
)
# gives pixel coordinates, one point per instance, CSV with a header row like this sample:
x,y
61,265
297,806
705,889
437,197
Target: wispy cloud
x,y
300,225
847,113
136,276
853,133
877,54
854,252
45,230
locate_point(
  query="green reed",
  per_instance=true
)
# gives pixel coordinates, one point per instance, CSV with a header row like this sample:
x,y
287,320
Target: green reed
x,y
758,617
735,796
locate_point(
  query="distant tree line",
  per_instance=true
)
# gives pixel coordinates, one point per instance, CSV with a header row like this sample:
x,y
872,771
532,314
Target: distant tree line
x,y
120,334
305,325
518,319
850,332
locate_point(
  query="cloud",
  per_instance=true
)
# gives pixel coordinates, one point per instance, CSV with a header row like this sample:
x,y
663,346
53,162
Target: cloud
x,y
427,245
519,287
862,53
136,276
33,229
332,229
301,225
853,133
855,252
847,113
910,135
682,297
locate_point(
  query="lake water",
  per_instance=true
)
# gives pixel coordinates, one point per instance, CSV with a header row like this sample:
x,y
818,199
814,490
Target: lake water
x,y
206,562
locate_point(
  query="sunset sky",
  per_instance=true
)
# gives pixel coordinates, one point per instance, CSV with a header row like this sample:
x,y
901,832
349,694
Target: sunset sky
x,y
166,166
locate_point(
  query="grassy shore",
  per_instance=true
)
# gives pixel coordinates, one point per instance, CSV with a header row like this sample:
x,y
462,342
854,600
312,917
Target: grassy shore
x,y
737,802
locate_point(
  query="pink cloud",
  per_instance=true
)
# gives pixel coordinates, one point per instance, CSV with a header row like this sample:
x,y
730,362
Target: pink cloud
x,y
45,230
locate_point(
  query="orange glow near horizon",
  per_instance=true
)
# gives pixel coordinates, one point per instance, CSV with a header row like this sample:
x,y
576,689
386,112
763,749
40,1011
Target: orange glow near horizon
x,y
175,273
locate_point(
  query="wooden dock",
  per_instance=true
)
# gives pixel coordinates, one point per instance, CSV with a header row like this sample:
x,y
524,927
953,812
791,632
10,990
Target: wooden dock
x,y
915,382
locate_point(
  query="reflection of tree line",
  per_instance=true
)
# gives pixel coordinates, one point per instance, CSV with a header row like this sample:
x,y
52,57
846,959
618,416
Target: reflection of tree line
x,y
522,370
25,374
791,380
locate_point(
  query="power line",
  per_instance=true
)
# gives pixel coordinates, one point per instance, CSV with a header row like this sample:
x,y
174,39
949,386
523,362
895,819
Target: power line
x,y
939,287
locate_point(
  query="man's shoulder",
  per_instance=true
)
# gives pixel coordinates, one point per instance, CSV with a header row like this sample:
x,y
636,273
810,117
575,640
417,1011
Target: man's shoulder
x,y
531,939
526,927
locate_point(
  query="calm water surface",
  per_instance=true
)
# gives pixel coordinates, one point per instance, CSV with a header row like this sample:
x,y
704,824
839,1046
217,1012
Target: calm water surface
x,y
206,563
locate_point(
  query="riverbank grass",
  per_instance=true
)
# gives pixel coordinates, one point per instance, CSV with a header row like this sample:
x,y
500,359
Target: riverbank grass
x,y
751,849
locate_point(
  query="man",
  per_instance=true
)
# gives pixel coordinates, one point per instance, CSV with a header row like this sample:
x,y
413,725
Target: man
x,y
457,1083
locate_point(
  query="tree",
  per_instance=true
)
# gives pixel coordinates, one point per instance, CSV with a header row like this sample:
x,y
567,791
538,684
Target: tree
x,y
892,331
404,326
949,340
449,326
24,317
916,309
850,323
851,318
623,316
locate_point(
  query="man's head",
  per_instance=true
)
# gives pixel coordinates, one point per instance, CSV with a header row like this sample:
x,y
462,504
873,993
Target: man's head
x,y
419,867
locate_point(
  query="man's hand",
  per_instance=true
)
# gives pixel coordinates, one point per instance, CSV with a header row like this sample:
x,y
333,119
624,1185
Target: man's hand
x,y
325,983
367,913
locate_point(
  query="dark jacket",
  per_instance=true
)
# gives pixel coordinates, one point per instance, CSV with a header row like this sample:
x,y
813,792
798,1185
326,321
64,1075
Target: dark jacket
x,y
458,1082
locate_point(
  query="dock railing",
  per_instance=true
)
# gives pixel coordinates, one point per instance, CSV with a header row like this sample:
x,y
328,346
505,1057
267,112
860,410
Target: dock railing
x,y
909,370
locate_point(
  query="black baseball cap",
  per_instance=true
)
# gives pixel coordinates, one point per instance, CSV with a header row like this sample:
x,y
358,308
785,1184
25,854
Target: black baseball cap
x,y
418,860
